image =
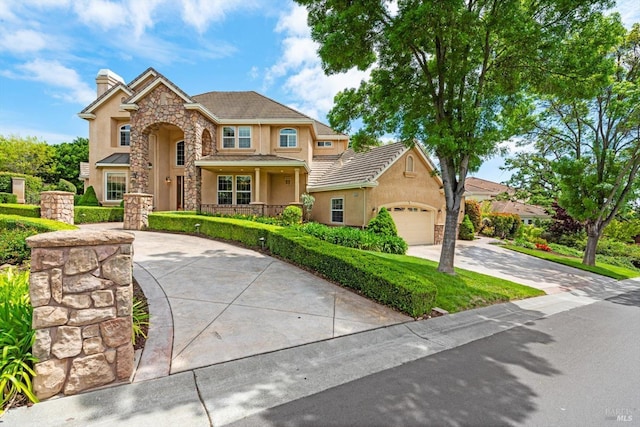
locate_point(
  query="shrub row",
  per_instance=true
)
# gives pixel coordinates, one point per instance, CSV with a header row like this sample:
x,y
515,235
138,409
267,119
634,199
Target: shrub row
x,y
356,238
14,230
8,198
31,211
504,225
91,214
375,278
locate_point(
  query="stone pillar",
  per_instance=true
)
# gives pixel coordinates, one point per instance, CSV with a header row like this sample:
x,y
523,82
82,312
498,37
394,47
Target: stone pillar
x,y
18,187
137,207
57,205
438,235
81,291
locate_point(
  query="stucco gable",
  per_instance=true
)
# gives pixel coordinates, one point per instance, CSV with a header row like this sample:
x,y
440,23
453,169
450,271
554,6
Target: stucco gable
x,y
91,108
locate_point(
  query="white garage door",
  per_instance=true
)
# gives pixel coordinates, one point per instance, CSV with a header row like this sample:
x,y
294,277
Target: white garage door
x,y
415,225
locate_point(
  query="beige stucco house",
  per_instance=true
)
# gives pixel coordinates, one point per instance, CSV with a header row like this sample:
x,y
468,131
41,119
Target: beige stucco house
x,y
241,152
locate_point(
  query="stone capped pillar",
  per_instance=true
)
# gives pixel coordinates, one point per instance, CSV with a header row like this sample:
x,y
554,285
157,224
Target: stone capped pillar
x,y
438,235
18,187
57,205
82,294
137,207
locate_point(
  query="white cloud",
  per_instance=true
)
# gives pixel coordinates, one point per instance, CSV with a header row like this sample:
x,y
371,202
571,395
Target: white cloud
x,y
301,68
101,13
629,11
23,41
56,75
200,13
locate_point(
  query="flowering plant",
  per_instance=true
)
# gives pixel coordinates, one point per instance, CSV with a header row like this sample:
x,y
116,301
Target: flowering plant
x,y
543,247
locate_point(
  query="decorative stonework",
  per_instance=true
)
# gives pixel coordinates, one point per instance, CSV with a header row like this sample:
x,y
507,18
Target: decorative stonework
x,y
81,292
57,205
163,106
137,207
438,235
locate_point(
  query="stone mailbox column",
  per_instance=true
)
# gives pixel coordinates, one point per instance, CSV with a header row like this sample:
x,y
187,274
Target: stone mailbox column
x,y
137,207
57,205
81,291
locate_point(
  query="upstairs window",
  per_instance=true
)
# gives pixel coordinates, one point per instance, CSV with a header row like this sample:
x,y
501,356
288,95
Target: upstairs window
x,y
244,136
228,137
324,144
125,135
180,153
288,138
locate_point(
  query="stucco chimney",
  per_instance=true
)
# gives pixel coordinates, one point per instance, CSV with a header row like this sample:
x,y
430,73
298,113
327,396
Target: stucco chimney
x,y
106,79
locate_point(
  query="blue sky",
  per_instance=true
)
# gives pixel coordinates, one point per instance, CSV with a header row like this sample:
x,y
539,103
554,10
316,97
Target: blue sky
x,y
51,51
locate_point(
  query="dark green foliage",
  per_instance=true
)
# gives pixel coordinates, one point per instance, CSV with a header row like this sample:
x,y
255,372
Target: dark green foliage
x,y
292,215
31,211
383,224
382,281
8,198
505,226
472,208
355,238
15,229
89,198
93,214
33,185
64,185
67,157
466,231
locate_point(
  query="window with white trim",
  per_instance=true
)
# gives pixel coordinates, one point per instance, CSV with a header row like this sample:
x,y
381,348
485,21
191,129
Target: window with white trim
x,y
115,186
234,190
337,210
288,138
236,137
124,135
180,153
324,144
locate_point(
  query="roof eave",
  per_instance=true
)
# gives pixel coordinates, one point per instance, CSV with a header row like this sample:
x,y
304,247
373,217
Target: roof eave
x,y
202,109
252,163
87,116
117,165
349,186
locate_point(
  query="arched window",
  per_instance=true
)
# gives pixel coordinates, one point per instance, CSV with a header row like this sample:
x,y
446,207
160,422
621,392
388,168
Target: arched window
x,y
180,153
288,138
409,166
125,135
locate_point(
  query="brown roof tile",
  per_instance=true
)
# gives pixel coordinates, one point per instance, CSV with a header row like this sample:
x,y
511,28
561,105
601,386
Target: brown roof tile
x,y
478,185
521,209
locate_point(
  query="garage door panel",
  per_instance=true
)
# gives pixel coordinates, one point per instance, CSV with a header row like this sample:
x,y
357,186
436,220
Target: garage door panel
x,y
415,225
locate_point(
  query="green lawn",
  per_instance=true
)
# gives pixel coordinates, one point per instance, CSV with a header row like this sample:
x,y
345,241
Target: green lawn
x,y
465,290
613,271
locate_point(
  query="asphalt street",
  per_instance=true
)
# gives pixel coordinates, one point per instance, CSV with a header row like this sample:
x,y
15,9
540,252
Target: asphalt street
x,y
577,368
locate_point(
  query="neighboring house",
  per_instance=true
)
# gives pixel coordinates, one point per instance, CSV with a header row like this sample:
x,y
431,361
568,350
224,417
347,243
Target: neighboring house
x,y
481,190
241,152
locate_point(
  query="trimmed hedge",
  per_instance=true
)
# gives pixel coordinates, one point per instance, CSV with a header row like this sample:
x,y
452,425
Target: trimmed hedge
x,y
92,214
466,231
355,238
505,225
89,198
14,231
33,185
376,278
31,211
8,198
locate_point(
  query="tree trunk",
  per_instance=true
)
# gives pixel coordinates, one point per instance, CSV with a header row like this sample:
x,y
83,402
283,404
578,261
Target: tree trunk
x,y
593,235
447,253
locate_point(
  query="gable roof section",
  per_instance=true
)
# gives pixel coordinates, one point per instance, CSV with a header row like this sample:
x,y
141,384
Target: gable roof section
x,y
354,169
474,185
159,79
87,113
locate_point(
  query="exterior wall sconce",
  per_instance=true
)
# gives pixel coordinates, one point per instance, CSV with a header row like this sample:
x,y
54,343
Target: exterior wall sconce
x,y
168,180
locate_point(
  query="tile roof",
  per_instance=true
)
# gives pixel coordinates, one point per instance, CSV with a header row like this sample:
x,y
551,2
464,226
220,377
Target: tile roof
x,y
354,168
521,209
114,159
478,185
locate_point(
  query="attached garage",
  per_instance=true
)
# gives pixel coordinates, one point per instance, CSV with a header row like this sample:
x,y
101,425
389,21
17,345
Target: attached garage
x,y
415,224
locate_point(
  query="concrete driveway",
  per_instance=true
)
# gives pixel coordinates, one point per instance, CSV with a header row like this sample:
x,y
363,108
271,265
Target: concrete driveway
x,y
483,257
212,302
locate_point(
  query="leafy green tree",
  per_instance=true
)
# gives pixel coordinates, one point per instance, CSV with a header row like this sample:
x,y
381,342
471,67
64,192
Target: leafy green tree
x,y
472,209
533,177
67,158
450,74
596,145
28,156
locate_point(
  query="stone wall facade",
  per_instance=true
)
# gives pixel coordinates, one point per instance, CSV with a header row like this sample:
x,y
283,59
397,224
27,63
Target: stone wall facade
x,y
137,207
57,205
81,291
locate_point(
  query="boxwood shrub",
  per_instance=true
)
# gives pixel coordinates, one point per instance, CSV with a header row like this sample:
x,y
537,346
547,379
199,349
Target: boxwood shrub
x,y
375,278
32,211
355,238
8,198
92,214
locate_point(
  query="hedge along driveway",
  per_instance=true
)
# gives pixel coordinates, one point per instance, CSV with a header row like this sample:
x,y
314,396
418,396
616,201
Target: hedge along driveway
x,y
376,278
81,214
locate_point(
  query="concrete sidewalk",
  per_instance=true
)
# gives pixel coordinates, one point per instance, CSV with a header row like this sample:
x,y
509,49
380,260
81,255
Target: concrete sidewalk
x,y
221,394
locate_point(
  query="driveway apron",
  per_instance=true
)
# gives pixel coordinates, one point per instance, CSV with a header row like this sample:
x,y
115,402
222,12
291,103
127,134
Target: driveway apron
x,y
212,302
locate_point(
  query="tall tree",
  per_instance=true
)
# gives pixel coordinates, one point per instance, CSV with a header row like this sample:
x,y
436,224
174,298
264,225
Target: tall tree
x,y
67,158
28,155
533,177
595,144
451,73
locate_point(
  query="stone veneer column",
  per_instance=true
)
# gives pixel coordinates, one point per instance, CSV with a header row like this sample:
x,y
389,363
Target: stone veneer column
x,y
438,235
137,207
81,290
57,205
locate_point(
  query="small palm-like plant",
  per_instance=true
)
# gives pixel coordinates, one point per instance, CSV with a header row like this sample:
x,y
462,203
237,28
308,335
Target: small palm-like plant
x,y
140,318
16,337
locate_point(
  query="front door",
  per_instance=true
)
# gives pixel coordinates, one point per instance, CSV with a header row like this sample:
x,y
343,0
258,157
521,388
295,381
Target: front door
x,y
180,192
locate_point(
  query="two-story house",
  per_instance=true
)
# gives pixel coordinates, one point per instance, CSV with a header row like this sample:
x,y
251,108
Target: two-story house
x,y
241,152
